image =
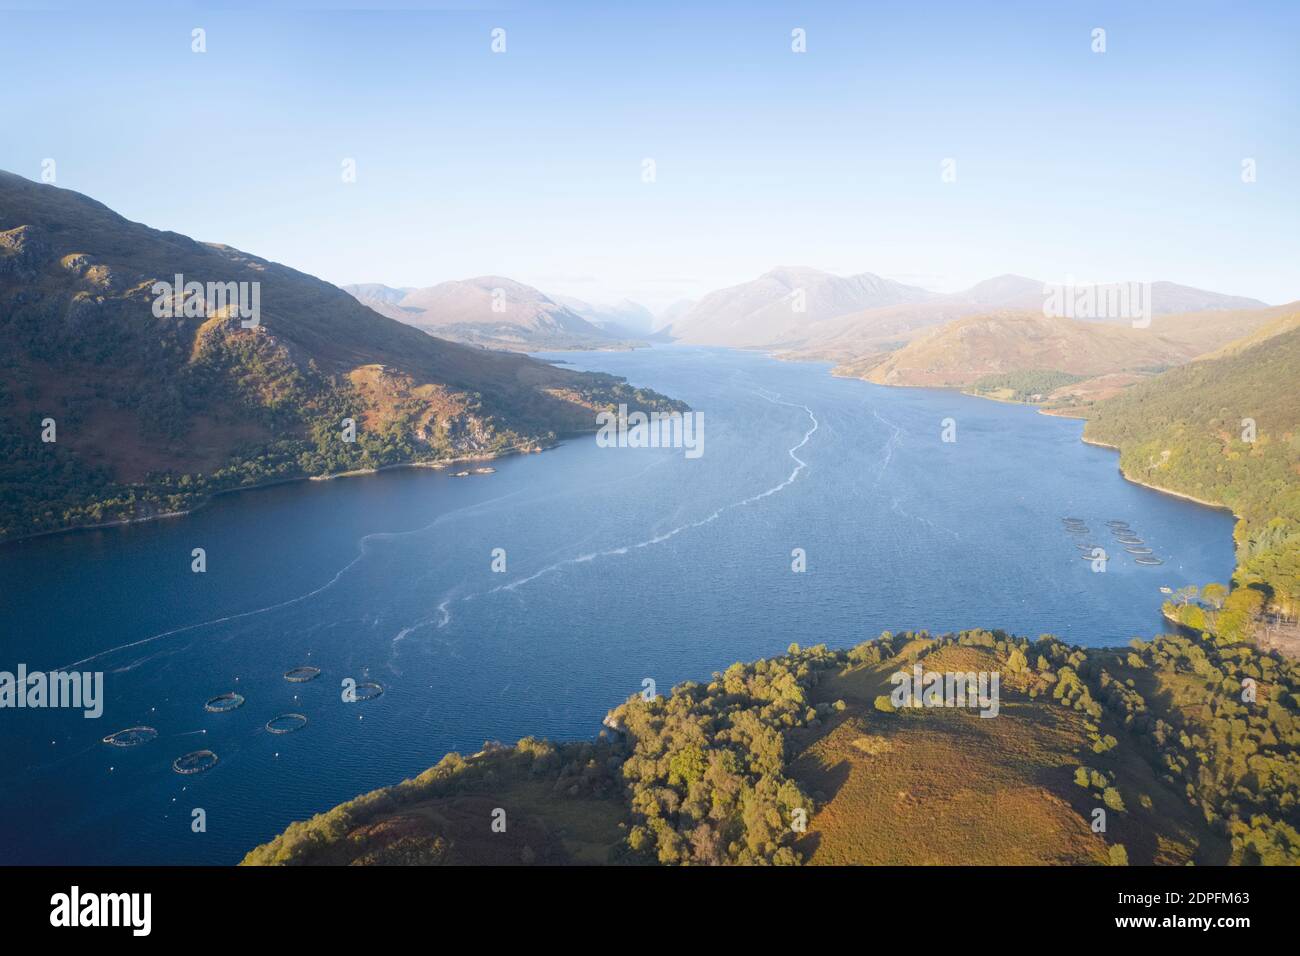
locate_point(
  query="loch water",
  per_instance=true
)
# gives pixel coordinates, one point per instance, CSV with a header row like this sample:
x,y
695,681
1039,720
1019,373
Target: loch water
x,y
621,564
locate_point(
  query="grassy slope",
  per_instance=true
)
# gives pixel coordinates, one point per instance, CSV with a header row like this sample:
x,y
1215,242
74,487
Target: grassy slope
x,y
949,787
960,353
155,413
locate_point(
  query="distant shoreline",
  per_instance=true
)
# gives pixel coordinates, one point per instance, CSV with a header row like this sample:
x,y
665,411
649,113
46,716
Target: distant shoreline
x,y
1065,413
355,473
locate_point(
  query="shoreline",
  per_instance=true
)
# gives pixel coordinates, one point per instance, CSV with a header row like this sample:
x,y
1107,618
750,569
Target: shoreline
x,y
1216,505
208,499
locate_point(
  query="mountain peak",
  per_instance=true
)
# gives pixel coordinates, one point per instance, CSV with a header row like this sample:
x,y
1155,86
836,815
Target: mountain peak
x,y
783,305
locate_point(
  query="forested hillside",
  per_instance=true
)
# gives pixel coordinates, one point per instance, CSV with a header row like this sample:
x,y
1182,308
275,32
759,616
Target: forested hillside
x,y
1225,430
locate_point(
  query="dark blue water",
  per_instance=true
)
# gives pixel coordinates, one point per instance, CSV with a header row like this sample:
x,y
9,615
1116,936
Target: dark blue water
x,y
622,564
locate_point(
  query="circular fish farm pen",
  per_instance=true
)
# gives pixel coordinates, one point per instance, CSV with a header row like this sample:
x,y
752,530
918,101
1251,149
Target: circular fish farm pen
x,y
300,675
224,703
1113,523
1138,550
1145,559
131,737
286,723
1127,539
195,762
368,690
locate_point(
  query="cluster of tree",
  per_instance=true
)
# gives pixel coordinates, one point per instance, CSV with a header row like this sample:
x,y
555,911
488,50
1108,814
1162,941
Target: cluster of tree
x,y
706,772
1226,731
1100,783
600,390
1024,386
1213,610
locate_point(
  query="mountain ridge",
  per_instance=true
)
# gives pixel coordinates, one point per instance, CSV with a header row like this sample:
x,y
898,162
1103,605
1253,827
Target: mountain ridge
x,y
959,353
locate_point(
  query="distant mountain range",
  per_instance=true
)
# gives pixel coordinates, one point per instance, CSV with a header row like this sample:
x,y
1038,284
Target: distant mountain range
x,y
812,314
496,312
993,338
152,409
798,312
897,334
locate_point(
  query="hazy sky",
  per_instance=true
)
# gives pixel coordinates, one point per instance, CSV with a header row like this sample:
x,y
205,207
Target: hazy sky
x,y
1099,166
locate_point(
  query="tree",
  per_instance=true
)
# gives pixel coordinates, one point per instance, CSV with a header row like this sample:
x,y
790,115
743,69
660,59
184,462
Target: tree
x,y
1214,595
686,766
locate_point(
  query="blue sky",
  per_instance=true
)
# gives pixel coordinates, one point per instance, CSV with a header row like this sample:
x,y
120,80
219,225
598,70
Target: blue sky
x,y
1069,163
